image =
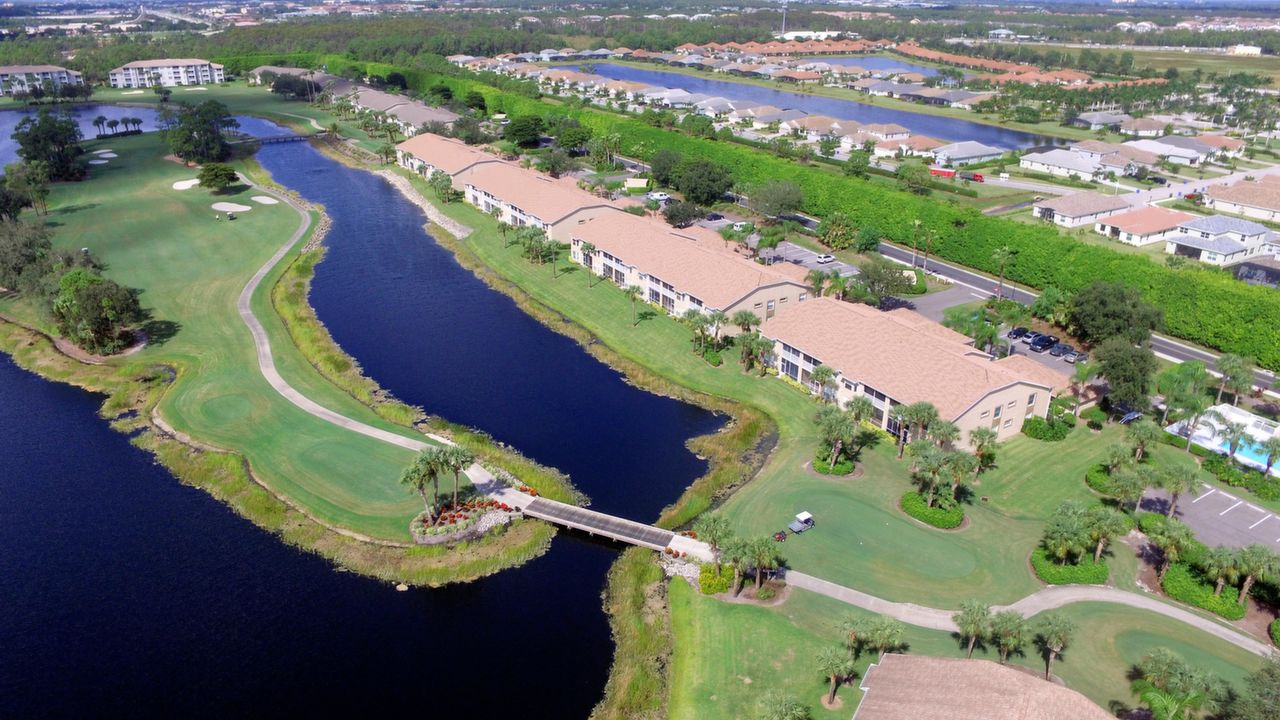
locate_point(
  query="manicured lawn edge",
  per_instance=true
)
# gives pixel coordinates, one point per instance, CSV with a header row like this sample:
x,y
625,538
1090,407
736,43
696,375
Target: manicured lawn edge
x,y
1086,572
914,505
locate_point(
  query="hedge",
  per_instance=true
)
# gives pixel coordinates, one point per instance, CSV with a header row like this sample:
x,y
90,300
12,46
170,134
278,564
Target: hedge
x,y
710,583
1275,631
1041,429
1086,572
1183,585
914,505
1094,417
1099,480
843,465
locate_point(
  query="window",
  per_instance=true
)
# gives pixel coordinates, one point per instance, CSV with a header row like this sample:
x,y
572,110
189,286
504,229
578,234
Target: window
x,y
769,310
1007,423
997,410
1031,399
1012,403
985,414
803,297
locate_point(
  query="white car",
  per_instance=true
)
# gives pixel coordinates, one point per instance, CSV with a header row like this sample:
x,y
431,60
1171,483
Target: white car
x,y
824,259
658,196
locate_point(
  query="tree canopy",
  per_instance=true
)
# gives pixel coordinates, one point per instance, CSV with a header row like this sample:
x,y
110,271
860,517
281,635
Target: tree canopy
x,y
54,139
1105,310
196,132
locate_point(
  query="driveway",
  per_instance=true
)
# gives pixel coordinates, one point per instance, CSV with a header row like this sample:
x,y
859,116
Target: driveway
x,y
934,306
808,259
1221,517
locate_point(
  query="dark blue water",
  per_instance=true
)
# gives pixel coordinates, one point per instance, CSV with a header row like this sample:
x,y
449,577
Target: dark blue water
x,y
875,62
124,593
918,123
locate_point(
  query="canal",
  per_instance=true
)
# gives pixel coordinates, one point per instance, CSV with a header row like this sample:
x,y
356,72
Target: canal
x,y
129,593
943,128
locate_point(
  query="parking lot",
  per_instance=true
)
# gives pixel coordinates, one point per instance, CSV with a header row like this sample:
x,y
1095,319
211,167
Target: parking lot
x,y
1219,517
808,259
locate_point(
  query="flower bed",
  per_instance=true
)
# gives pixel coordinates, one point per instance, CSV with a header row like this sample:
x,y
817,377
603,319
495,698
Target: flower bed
x,y
1086,572
470,519
915,506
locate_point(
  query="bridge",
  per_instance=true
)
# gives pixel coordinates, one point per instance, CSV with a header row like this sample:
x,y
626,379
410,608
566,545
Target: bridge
x,y
298,137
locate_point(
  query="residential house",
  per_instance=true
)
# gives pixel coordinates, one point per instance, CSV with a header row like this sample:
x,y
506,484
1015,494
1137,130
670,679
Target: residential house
x,y
1078,209
1099,120
1225,147
1142,226
1257,200
918,687
426,153
886,131
1218,240
522,197
412,116
679,269
1143,127
1166,150
21,78
966,152
167,72
916,145
799,77
764,120
900,357
813,127
1061,163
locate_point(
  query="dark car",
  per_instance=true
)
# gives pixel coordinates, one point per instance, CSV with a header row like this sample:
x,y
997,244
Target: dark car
x,y
1061,349
1157,179
1030,337
1017,332
714,216
1042,343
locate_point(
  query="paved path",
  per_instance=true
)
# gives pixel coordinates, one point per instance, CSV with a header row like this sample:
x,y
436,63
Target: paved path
x,y
1050,598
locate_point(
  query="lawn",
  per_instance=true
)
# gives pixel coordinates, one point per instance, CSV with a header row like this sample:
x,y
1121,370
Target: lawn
x,y
191,269
727,656
1187,62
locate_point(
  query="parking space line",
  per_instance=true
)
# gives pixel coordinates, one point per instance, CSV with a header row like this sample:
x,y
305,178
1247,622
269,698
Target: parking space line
x,y
1233,507
1211,491
1227,495
1255,507
1268,517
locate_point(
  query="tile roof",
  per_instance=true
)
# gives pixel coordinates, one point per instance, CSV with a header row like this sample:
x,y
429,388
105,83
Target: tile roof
x,y
693,260
900,353
1085,203
916,687
33,69
1221,142
1259,195
1219,244
1147,220
541,196
1218,224
165,62
1064,159
451,156
967,149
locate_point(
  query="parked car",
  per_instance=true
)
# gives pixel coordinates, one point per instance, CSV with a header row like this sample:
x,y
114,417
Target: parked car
x,y
1078,356
1158,179
1030,337
741,226
1042,343
658,196
824,259
714,216
1061,350
1017,332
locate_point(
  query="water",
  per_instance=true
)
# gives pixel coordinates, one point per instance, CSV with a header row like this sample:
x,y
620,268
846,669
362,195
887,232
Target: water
x,y
943,128
1248,452
127,593
875,63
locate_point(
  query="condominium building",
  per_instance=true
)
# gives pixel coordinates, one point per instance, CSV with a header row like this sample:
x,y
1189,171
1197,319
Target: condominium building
x,y
166,72
426,153
21,78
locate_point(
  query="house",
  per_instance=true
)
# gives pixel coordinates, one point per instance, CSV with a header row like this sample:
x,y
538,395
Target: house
x,y
1001,34
1223,146
921,145
1100,120
1113,157
894,689
1061,163
886,131
1142,226
1203,151
1143,127
21,78
900,357
168,72
812,127
1079,209
799,77
522,197
1218,240
1175,154
412,116
679,269
426,153
1245,50
763,120
964,153
1257,200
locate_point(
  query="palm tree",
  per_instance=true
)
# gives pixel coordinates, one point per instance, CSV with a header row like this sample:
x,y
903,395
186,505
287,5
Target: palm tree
x,y
1103,524
1171,705
714,530
100,122
943,432
974,623
856,628
921,415
960,466
837,429
886,634
1174,539
633,294
1009,632
588,251
764,557
1193,409
1142,435
1235,434
718,319
823,380
1230,367
1176,480
984,441
745,320
1080,377
930,462
112,125
1130,484
1002,256
424,471
698,322
737,552
817,280
1054,636
456,459
836,664
775,705
899,414
1221,565
1271,448
1253,561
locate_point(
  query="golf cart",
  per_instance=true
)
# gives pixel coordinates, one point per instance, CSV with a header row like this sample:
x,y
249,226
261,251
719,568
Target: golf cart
x,y
803,522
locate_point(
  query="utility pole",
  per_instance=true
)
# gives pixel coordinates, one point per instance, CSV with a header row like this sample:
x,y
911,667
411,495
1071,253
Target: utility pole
x,y
784,17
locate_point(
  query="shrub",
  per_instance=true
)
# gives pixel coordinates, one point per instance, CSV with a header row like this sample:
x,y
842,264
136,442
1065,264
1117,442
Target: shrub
x,y
844,465
914,505
1069,420
1264,486
1275,631
766,593
1086,572
1182,584
921,285
1099,479
713,358
1041,429
1094,417
711,583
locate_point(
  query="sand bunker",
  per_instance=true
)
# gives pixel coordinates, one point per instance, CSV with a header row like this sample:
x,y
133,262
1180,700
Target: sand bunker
x,y
230,207
99,162
107,155
265,200
195,89
103,152
133,92
186,184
